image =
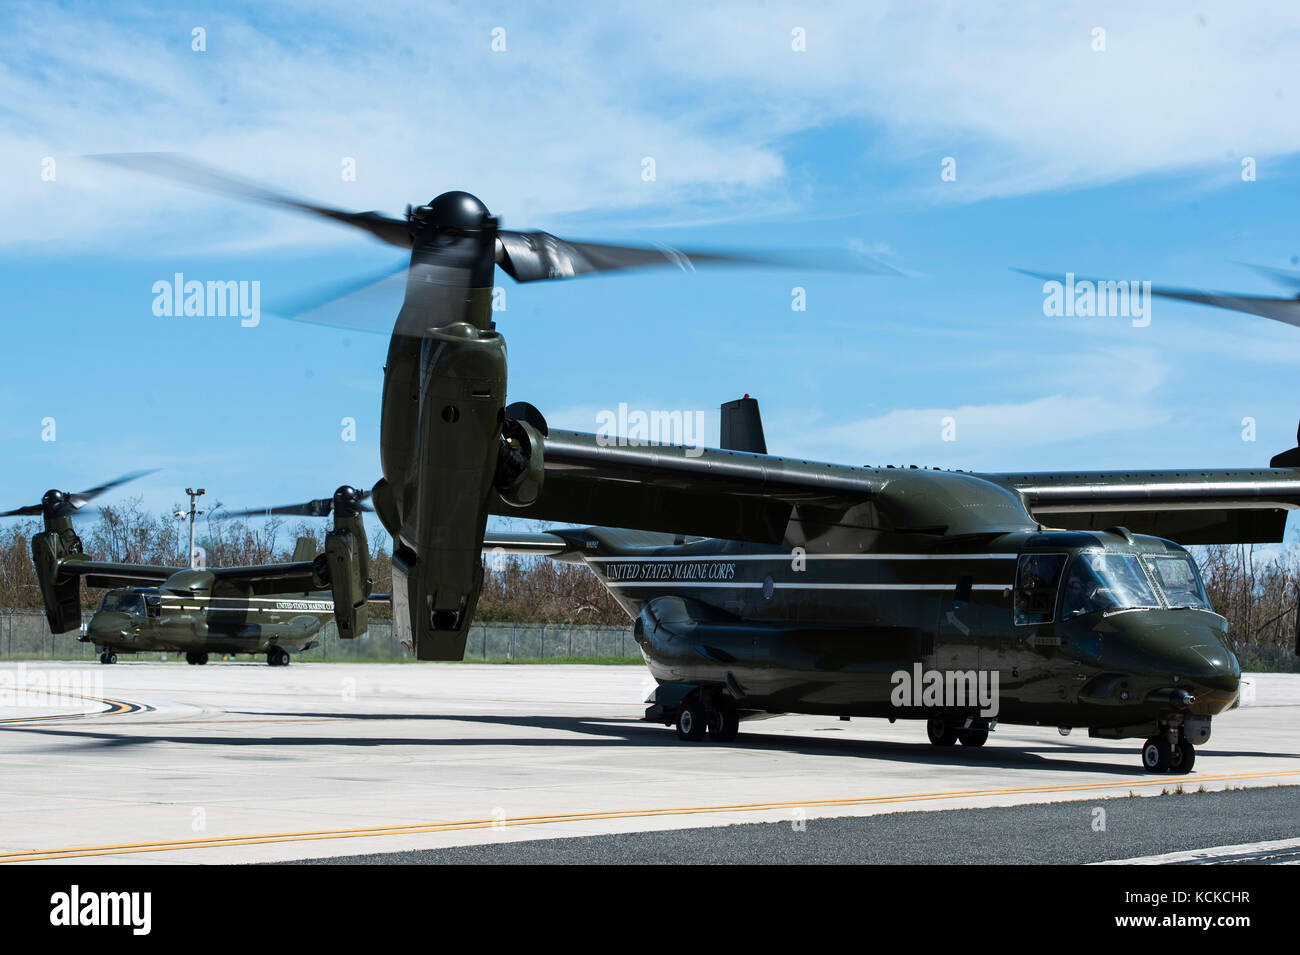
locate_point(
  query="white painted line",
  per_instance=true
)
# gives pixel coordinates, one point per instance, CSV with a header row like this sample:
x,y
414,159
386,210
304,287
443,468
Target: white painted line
x,y
1284,851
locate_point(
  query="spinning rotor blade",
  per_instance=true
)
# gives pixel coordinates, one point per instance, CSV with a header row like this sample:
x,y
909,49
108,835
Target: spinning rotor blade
x,y
1285,310
1285,277
365,304
532,256
320,507
524,256
67,503
187,172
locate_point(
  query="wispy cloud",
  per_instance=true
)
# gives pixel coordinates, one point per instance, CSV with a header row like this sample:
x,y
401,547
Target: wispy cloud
x,y
558,124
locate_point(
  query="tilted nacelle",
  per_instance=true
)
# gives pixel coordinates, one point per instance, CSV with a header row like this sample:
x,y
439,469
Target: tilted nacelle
x,y
435,498
61,593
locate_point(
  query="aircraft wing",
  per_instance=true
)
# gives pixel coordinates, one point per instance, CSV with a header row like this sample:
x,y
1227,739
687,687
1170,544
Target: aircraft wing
x,y
266,579
753,497
673,489
1190,507
99,573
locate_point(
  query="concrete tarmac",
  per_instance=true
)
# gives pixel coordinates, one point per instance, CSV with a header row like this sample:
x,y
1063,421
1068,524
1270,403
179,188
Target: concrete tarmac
x,y
239,762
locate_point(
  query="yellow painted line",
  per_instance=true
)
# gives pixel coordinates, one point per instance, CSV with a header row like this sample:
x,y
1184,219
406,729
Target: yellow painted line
x,y
39,855
115,708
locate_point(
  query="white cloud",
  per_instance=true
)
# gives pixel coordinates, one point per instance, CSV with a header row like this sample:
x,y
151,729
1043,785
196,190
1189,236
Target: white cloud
x,y
558,124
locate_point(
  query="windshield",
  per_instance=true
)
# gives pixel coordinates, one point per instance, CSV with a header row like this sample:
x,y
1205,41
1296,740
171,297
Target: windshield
x,y
123,603
1106,582
1178,577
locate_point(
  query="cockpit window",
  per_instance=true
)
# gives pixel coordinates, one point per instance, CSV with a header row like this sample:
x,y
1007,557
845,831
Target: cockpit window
x,y
123,603
1178,577
1106,582
1036,580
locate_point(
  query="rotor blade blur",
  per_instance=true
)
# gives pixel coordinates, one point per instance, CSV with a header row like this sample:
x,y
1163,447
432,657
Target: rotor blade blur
x,y
320,507
365,304
80,499
187,172
532,256
31,510
1288,278
1286,310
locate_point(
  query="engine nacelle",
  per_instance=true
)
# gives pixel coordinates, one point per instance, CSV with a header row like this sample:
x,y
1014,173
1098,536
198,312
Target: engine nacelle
x,y
349,584
61,596
439,484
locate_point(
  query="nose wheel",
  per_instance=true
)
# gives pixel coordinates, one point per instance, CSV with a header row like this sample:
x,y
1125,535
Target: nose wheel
x,y
277,657
196,659
107,657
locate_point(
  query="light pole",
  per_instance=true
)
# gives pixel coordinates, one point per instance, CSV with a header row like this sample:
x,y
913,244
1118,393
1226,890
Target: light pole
x,y
193,513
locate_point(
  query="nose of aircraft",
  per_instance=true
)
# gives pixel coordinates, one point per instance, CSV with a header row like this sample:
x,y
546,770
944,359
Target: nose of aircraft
x,y
1198,660
1211,667
110,625
1185,647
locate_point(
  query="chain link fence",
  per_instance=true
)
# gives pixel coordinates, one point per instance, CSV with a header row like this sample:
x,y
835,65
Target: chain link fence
x,y
25,635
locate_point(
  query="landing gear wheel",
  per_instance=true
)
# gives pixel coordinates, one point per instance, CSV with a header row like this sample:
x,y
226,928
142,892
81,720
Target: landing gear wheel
x,y
277,657
942,732
1157,755
975,736
112,657
103,657
196,659
691,722
1183,758
724,725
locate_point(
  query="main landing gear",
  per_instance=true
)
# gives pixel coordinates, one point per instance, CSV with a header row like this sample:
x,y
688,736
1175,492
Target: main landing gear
x,y
277,657
945,731
721,721
1168,752
196,659
108,656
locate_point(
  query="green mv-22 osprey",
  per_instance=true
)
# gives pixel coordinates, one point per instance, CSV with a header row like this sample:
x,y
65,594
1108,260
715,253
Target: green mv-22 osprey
x,y
271,609
765,585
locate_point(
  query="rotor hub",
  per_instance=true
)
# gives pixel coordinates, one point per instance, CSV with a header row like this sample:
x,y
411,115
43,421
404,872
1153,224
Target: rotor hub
x,y
455,210
347,500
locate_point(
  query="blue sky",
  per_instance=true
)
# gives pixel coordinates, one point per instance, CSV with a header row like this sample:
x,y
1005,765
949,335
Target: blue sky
x,y
1124,162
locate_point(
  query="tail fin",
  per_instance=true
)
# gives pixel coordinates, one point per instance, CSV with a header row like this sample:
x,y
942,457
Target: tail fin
x,y
742,428
1288,459
305,551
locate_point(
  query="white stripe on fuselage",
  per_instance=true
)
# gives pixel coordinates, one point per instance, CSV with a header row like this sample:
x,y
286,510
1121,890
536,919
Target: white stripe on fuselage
x,y
786,556
783,585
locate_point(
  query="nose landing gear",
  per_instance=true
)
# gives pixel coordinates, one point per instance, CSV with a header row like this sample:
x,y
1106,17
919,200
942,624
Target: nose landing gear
x,y
196,659
277,657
